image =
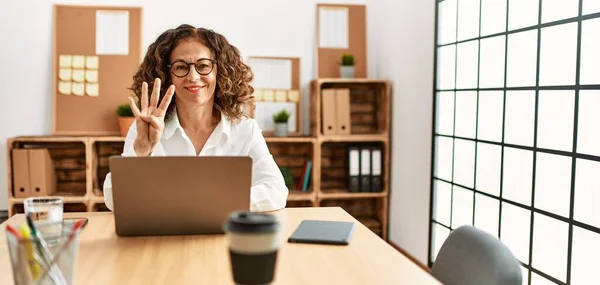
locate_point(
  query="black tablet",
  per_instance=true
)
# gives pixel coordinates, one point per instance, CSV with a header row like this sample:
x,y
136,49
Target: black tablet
x,y
323,232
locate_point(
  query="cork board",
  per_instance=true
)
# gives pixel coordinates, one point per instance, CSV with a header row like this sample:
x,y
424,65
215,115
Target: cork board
x,y
278,95
328,58
86,94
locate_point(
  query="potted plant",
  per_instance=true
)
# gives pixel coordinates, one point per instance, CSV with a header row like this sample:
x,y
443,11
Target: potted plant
x,y
347,66
288,177
281,123
126,118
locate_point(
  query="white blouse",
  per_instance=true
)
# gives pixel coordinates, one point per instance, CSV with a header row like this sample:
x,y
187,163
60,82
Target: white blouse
x,y
268,191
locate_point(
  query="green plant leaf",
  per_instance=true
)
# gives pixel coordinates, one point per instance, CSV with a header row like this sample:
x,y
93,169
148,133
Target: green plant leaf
x,y
281,117
347,59
124,110
287,176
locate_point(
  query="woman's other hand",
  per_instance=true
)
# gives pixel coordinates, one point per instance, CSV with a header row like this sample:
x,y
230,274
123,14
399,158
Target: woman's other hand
x,y
150,121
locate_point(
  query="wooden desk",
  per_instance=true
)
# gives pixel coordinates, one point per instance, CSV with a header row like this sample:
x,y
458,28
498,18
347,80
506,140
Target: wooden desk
x,y
105,258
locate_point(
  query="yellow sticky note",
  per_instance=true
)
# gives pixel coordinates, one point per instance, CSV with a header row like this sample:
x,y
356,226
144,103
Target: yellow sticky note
x,y
64,61
64,87
91,62
78,61
78,75
268,95
77,89
293,95
91,76
91,89
64,74
280,96
258,94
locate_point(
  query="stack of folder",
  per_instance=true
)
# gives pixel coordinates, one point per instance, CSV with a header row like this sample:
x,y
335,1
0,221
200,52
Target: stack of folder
x,y
336,111
364,169
33,173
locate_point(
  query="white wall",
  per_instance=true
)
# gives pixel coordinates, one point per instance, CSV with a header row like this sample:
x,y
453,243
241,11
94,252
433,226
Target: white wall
x,y
401,47
258,27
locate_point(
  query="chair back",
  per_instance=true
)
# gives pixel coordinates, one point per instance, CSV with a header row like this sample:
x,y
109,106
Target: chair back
x,y
472,256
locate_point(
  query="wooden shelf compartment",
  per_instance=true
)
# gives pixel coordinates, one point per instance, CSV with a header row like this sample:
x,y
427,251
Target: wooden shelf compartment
x,y
69,159
295,204
370,212
97,207
355,138
369,104
101,150
345,194
335,167
290,139
68,207
294,156
297,195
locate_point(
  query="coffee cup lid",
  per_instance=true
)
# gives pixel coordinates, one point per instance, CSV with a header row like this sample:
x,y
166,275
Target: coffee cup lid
x,y
249,222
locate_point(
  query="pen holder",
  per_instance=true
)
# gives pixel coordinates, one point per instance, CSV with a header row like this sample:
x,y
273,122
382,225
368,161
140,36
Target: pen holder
x,y
34,262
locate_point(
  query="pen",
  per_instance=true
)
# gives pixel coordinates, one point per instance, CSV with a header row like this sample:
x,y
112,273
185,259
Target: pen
x,y
76,227
13,231
34,266
55,274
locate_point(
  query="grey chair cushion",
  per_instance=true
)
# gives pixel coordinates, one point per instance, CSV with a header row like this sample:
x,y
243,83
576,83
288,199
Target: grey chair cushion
x,y
472,256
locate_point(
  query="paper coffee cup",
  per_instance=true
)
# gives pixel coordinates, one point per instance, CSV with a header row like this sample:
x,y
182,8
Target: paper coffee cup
x,y
253,246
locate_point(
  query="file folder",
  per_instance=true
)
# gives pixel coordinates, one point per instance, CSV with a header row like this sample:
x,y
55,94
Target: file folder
x,y
42,176
365,169
20,161
353,169
329,112
376,183
342,98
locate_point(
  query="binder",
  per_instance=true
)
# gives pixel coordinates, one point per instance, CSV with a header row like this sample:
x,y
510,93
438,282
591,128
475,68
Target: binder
x,y
42,176
307,176
329,112
365,169
20,161
376,183
353,169
342,99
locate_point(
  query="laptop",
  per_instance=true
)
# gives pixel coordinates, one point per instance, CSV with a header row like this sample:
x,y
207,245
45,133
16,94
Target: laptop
x,y
178,195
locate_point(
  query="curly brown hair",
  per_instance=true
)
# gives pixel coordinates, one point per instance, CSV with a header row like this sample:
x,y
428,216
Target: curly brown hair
x,y
233,91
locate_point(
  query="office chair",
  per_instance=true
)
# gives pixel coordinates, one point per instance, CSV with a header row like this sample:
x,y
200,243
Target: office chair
x,y
472,256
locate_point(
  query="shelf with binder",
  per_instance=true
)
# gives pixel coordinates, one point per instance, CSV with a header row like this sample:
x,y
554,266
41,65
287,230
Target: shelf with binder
x,y
357,168
295,161
350,107
47,166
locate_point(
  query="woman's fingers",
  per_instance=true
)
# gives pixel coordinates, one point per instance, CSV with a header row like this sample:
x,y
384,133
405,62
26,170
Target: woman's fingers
x,y
167,99
155,95
153,121
144,100
134,108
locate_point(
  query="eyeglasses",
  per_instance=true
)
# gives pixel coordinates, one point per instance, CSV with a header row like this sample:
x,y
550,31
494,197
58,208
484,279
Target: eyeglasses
x,y
203,66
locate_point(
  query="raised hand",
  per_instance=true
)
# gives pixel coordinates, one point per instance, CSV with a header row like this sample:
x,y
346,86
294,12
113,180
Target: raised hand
x,y
150,121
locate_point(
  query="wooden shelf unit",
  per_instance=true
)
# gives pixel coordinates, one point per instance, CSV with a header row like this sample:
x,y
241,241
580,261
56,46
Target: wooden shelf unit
x,y
370,97
370,120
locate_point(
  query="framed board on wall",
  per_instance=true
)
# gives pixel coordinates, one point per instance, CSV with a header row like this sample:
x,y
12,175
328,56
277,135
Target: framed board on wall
x,y
276,87
96,52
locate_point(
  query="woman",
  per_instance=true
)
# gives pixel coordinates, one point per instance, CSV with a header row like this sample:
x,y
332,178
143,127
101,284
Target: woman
x,y
199,91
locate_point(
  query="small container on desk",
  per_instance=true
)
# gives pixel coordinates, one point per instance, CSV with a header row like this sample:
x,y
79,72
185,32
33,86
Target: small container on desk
x,y
34,261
